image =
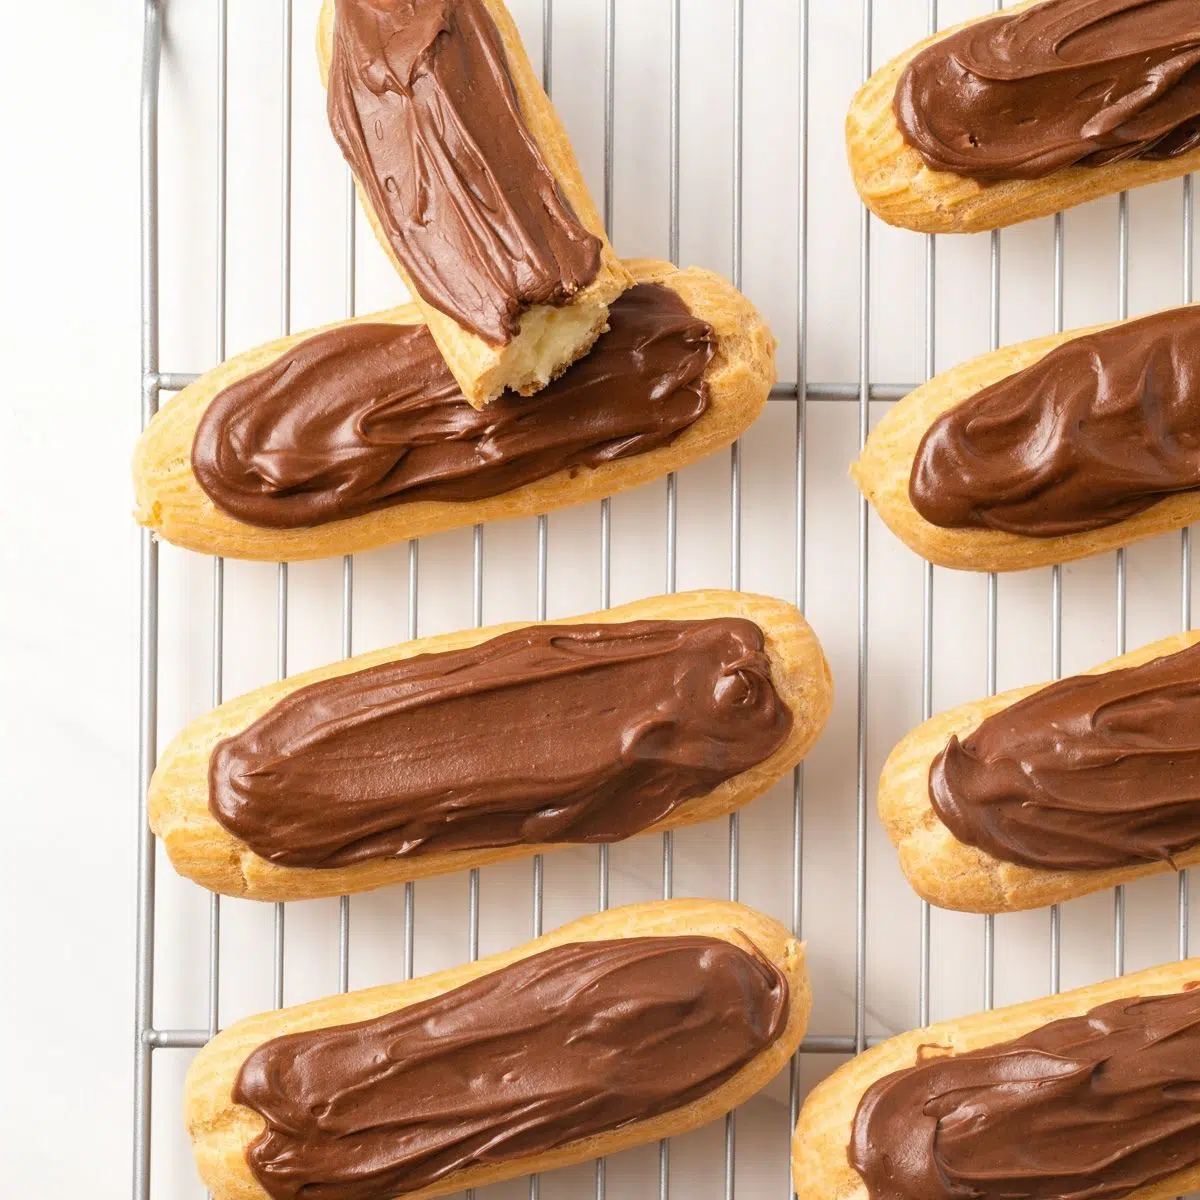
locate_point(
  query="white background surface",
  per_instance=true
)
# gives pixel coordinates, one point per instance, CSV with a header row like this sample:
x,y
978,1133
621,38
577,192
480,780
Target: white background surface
x,y
68,605
70,357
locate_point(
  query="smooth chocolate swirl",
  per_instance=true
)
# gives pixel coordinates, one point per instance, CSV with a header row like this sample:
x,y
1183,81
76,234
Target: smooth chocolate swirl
x,y
1064,83
570,1042
1099,430
1095,771
552,733
367,416
422,104
1084,1108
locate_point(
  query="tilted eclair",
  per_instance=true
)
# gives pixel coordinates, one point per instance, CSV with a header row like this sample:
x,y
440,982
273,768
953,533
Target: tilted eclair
x,y
1010,117
619,1029
1043,793
1046,451
1094,1092
470,184
468,748
356,436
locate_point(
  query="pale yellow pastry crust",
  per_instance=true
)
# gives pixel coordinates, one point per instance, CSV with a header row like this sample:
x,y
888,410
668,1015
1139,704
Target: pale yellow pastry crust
x,y
551,338
821,1169
883,472
951,874
221,1130
898,187
171,502
202,849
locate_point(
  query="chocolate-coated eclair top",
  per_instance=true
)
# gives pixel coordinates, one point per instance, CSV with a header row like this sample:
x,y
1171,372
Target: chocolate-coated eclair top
x,y
1097,431
1097,1107
422,103
367,416
547,734
1095,771
1064,83
573,1041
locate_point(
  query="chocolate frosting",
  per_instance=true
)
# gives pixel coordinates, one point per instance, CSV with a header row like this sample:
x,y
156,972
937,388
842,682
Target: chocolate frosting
x,y
422,104
1095,771
552,733
1099,430
366,416
570,1042
1091,1107
1065,82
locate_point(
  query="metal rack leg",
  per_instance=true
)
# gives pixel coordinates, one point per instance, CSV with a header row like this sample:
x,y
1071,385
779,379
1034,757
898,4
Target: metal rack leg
x,y
473,875
281,626
801,457
218,582
543,544
351,306
672,549
347,651
1185,545
143,1016
147,753
1121,574
410,894
926,911
610,102
285,322
1056,582
735,468
993,615
864,423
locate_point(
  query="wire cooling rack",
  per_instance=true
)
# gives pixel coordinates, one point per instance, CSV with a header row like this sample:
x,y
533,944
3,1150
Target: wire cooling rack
x,y
881,960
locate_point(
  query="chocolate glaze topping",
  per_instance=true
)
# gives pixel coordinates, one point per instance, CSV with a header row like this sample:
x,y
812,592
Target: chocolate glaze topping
x,y
567,733
1099,430
1065,82
1085,1108
570,1042
422,104
1095,771
367,416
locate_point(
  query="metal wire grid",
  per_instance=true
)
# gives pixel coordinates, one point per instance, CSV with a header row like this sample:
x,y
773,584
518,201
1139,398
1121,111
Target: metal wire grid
x,y
155,381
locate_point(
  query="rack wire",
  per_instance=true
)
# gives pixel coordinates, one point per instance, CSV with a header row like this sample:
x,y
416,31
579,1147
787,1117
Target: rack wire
x,y
863,392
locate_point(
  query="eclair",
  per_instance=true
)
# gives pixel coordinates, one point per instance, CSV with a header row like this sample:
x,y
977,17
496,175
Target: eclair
x,y
468,179
1046,451
468,748
635,1024
356,435
1015,116
1094,1092
1043,793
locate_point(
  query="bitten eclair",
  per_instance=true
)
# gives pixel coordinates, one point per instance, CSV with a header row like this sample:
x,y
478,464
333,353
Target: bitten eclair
x,y
1094,1092
355,436
1043,793
1015,116
1046,451
471,186
469,748
567,1048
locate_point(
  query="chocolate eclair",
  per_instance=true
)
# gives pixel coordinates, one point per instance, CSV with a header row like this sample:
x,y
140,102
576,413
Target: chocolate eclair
x,y
468,178
1093,1093
1047,450
1043,793
474,747
624,1027
357,435
1020,114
